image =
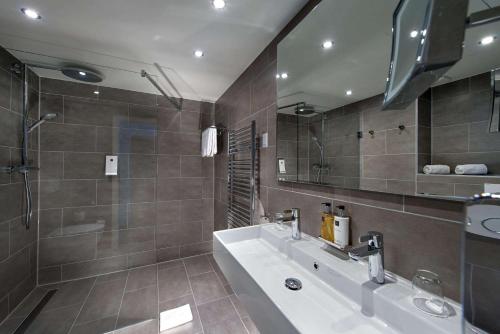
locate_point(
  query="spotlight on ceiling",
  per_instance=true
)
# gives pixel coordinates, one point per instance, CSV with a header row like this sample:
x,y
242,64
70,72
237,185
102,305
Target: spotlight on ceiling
x,y
348,92
284,75
218,4
413,33
198,53
31,13
327,44
487,40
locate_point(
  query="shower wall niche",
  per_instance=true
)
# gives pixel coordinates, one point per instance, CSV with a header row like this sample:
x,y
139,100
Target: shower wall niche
x,y
158,208
18,246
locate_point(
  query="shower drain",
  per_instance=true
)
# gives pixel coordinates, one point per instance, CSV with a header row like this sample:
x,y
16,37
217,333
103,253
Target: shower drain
x,y
293,284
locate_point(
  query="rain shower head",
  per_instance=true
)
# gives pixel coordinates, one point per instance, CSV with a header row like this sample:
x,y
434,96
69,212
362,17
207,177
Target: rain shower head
x,y
82,74
42,120
304,110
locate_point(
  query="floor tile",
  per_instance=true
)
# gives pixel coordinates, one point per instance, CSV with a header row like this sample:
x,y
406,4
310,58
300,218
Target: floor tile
x,y
217,311
192,327
112,277
141,277
55,321
197,265
217,270
138,306
207,287
170,264
173,283
95,327
104,301
239,306
250,326
229,326
70,293
145,327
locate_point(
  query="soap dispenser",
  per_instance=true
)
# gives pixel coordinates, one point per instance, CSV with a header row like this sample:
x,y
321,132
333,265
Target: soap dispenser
x,y
341,227
326,221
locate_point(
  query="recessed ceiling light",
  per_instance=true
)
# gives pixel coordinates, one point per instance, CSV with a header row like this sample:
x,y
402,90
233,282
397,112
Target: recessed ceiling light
x,y
487,40
348,92
277,75
413,33
82,73
198,53
327,44
218,4
31,13
284,75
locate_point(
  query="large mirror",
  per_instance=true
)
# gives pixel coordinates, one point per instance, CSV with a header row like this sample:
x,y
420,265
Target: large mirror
x,y
331,126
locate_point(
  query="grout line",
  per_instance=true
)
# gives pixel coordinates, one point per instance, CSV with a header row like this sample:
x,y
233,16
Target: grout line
x,y
238,313
121,302
157,295
83,304
194,298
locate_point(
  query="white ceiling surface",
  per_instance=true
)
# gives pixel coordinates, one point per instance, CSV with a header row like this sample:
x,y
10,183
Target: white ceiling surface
x,y
360,57
130,35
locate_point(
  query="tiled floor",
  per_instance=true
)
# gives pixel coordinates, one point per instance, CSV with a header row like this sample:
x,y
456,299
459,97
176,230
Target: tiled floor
x,y
130,302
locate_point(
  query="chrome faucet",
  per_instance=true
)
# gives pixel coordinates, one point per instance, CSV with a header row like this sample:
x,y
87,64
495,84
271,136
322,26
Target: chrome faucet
x,y
296,234
292,216
373,248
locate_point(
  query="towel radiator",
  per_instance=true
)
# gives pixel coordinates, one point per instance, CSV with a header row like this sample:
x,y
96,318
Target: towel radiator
x,y
241,172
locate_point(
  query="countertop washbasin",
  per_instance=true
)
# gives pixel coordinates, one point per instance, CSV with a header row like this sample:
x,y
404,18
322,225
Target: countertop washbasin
x,y
336,295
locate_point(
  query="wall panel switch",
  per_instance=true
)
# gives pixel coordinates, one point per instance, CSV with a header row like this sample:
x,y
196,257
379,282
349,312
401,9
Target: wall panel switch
x,y
111,165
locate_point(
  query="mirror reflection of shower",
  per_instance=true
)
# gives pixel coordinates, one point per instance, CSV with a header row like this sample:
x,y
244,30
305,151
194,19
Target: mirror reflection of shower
x,y
320,168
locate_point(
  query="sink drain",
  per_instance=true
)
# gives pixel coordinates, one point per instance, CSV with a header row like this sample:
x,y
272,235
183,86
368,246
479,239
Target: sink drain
x,y
293,284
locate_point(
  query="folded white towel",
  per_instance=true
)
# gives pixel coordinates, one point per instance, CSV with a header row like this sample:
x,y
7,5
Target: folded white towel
x,y
472,169
436,169
209,142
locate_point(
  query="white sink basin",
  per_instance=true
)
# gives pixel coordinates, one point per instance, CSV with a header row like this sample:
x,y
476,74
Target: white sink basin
x,y
335,298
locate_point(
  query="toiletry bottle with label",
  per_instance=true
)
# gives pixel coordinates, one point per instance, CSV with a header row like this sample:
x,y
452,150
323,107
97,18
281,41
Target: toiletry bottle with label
x,y
341,227
326,221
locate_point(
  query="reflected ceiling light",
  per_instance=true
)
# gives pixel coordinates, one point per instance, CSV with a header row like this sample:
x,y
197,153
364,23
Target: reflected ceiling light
x,y
175,317
218,4
82,73
31,13
277,75
413,33
348,92
327,44
487,40
284,75
198,53
96,92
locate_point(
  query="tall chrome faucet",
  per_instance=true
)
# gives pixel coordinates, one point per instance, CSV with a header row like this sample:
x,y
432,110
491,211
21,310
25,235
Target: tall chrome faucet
x,y
373,248
296,234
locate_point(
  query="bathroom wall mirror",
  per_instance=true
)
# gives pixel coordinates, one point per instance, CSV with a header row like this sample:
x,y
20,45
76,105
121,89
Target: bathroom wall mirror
x,y
332,128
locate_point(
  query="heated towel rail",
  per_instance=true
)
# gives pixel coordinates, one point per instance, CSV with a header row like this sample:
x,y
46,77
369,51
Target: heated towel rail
x,y
241,167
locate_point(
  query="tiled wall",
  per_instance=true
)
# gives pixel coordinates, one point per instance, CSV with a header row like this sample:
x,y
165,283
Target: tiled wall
x,y
158,208
17,244
454,120
419,232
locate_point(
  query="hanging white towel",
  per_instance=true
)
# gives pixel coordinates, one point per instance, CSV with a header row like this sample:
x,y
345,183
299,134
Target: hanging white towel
x,y
472,169
436,169
209,142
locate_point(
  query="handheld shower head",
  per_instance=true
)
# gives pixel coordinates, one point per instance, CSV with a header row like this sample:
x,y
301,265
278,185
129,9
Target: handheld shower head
x,y
42,120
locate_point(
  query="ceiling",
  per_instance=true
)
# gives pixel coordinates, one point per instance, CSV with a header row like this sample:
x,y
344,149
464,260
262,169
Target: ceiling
x,y
360,56
121,37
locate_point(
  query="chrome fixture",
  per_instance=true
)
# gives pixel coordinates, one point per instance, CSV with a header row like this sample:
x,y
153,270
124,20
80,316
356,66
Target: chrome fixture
x,y
241,176
295,222
373,248
42,120
176,102
293,284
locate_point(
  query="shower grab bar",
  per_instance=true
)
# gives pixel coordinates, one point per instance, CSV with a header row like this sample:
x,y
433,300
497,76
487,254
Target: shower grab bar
x,y
173,101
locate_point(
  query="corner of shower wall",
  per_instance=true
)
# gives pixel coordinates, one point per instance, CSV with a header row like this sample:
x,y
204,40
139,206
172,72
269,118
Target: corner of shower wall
x,y
18,245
